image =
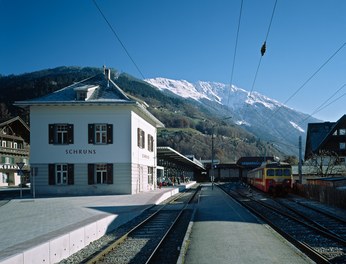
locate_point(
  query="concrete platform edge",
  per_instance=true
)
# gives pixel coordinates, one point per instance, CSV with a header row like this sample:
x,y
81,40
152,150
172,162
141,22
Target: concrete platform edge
x,y
186,241
63,246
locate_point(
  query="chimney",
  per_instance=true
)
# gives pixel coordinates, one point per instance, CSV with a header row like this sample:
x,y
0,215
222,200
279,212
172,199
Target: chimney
x,y
107,73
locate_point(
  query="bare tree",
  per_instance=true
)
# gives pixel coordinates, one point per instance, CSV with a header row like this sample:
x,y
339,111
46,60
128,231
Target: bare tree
x,y
326,163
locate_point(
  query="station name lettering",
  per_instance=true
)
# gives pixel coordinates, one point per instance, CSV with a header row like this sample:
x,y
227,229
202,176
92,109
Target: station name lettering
x,y
80,151
145,156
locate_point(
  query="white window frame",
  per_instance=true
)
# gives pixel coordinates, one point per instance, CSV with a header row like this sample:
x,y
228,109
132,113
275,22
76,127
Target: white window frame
x,y
7,160
150,143
100,174
100,133
61,174
141,138
4,177
61,134
150,175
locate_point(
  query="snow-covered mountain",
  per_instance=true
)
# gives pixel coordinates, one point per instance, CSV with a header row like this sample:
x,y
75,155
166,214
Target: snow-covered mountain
x,y
265,117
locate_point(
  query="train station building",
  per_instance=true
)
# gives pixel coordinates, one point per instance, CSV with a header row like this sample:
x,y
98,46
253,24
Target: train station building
x,y
91,138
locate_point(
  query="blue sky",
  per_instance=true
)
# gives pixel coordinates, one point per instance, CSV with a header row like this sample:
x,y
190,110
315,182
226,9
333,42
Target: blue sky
x,y
191,40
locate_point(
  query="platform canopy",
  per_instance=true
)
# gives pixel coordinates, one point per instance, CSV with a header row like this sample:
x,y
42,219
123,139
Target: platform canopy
x,y
168,156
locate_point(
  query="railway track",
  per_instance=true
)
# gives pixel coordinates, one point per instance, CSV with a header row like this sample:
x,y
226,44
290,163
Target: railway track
x,y
321,242
326,221
147,242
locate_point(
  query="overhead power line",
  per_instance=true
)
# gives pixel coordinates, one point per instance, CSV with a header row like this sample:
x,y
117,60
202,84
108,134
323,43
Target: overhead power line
x,y
323,105
317,71
332,102
118,38
311,77
264,47
320,107
235,47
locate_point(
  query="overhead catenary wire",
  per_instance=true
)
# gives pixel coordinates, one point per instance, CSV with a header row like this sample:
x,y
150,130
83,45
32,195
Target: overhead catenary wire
x,y
263,48
235,48
323,105
332,102
309,79
118,38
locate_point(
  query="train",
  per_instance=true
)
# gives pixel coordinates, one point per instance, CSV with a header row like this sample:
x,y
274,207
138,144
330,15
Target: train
x,y
272,177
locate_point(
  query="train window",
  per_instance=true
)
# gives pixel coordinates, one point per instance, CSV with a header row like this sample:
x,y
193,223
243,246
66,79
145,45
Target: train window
x,y
270,172
287,172
278,172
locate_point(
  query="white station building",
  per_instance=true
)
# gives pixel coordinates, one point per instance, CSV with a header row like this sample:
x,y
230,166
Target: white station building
x,y
91,138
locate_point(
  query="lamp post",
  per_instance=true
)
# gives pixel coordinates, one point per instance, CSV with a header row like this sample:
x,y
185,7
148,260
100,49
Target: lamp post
x,y
20,172
212,159
213,154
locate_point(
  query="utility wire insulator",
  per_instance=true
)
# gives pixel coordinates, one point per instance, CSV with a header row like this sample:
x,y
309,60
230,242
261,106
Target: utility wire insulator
x,y
263,49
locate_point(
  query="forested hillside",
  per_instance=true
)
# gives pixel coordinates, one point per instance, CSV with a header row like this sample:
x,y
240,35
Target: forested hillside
x,y
189,125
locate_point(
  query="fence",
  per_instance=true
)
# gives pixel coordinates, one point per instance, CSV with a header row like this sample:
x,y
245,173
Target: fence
x,y
323,194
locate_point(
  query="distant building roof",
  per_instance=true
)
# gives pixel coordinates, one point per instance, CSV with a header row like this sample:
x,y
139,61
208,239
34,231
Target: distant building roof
x,y
253,161
18,127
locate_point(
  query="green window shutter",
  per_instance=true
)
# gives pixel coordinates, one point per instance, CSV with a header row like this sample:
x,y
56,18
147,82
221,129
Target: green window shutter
x,y
51,133
91,169
109,134
110,173
70,133
91,133
51,174
70,173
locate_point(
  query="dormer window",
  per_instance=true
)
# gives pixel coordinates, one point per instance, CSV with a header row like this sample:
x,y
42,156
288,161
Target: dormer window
x,y
84,92
81,95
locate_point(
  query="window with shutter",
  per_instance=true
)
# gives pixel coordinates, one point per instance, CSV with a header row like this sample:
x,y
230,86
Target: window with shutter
x,y
150,143
100,134
60,134
140,138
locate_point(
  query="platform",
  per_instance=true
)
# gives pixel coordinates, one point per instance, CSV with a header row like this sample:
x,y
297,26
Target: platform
x,y
223,231
47,230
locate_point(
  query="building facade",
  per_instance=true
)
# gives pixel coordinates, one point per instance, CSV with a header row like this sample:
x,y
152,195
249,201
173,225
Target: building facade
x,y
327,138
91,138
14,149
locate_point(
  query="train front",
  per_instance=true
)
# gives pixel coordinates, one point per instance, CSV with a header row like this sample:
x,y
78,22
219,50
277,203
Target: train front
x,y
278,178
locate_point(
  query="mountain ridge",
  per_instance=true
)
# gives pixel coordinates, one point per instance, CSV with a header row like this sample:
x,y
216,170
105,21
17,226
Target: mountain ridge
x,y
250,110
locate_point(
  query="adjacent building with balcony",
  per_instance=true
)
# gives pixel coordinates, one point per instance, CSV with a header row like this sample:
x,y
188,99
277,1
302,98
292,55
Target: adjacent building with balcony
x,y
14,149
91,138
